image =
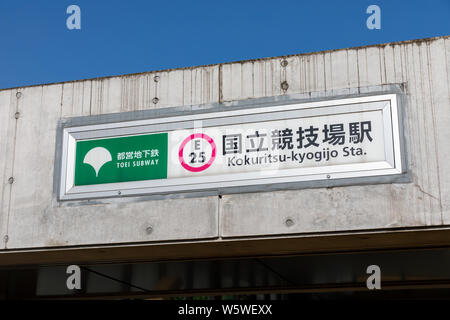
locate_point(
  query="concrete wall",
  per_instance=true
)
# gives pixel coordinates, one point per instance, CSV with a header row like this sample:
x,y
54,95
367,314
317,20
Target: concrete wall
x,y
31,218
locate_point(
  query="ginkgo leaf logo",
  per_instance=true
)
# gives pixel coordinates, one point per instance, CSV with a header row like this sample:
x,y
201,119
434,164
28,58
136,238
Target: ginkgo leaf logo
x,y
97,158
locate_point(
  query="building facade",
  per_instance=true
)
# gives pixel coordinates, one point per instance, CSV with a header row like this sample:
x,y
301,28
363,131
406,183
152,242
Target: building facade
x,y
409,213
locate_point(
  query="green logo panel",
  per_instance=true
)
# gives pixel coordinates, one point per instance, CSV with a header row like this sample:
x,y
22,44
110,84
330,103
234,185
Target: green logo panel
x,y
133,158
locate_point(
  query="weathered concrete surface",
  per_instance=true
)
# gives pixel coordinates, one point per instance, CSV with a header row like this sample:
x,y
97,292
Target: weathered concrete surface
x,y
31,218
423,68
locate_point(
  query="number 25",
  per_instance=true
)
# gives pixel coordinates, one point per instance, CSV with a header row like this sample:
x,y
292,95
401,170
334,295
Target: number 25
x,y
201,158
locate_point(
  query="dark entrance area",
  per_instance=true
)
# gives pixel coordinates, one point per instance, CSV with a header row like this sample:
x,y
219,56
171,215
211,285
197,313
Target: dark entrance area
x,y
409,274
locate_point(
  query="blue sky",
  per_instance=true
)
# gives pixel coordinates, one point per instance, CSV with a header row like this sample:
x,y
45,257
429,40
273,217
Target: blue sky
x,y
119,37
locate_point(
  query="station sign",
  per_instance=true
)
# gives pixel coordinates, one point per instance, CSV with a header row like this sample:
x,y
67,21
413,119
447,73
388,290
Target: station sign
x,y
226,150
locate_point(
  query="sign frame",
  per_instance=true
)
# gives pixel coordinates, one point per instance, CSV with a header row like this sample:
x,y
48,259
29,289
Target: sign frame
x,y
388,103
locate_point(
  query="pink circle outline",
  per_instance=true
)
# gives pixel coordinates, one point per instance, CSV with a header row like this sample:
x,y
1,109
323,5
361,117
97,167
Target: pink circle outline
x,y
183,144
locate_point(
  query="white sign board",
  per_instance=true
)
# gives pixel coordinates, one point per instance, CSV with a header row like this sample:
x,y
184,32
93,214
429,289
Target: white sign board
x,y
335,139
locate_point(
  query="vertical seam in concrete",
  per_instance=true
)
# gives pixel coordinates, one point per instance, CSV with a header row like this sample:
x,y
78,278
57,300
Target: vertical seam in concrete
x,y
220,84
182,87
202,86
392,215
423,107
12,170
131,105
348,70
141,93
316,84
408,77
122,89
241,87
264,78
384,64
446,67
190,88
100,96
5,173
62,99
253,79
156,90
73,92
219,219
82,98
436,149
33,227
324,73
357,70
404,76
417,111
195,83
137,94
381,70
331,72
407,99
367,66
300,73
90,100
131,94
211,85
393,64
305,72
272,82
148,98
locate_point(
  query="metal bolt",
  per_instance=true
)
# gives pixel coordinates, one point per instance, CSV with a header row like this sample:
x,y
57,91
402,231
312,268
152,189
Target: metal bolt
x,y
289,222
17,115
18,94
149,230
284,85
119,192
328,176
156,78
155,100
284,63
11,180
5,238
